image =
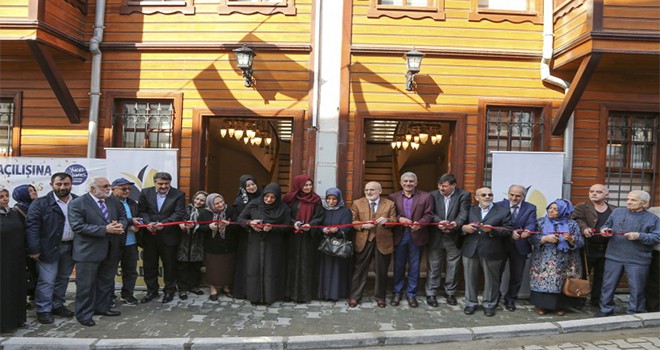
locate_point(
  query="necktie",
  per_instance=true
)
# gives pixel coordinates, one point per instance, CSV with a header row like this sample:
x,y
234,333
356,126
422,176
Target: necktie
x,y
373,209
104,210
514,212
447,199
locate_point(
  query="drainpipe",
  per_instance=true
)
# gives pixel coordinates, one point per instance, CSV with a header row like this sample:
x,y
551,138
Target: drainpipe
x,y
317,62
548,38
95,88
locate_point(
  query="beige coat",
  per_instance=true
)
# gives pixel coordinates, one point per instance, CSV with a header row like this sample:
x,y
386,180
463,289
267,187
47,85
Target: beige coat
x,y
383,235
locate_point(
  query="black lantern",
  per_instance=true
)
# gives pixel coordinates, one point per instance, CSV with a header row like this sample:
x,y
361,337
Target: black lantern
x,y
244,58
413,64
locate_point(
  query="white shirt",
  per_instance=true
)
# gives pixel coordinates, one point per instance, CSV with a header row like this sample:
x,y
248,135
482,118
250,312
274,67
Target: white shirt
x,y
67,235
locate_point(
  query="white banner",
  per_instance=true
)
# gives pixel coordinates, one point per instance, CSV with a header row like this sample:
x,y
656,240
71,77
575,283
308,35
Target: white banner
x,y
36,171
140,164
541,172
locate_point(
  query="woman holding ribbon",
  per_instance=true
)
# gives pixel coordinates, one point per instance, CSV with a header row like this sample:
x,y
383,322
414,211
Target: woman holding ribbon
x,y
12,267
267,221
23,196
334,272
303,254
555,255
247,191
191,249
219,245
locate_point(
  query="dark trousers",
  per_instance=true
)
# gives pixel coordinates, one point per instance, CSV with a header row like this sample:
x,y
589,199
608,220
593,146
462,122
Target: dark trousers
x,y
94,285
362,262
153,249
129,260
406,253
597,267
188,274
636,275
516,268
652,290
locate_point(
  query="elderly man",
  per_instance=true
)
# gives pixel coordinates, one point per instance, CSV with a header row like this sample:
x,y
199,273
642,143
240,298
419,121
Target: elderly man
x,y
413,207
488,226
121,189
50,242
372,241
96,218
451,211
523,217
590,216
633,232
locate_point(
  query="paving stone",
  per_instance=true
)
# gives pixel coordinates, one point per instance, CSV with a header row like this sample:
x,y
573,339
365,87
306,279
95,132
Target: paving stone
x,y
428,336
651,319
333,341
18,343
238,343
623,344
141,344
601,324
521,330
655,340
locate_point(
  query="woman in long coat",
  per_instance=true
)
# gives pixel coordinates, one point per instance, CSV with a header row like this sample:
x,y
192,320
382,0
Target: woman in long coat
x,y
266,264
334,272
24,195
12,267
191,249
302,247
555,255
247,191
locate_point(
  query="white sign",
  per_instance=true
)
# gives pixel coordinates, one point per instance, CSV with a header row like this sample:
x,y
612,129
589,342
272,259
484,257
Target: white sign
x,y
36,171
140,164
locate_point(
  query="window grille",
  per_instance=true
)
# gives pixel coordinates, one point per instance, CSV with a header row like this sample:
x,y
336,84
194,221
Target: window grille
x,y
145,124
6,125
632,154
511,129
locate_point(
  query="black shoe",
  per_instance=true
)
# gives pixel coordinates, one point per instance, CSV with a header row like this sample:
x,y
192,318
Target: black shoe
x,y
603,314
88,323
182,295
167,297
213,297
62,311
149,297
229,295
510,305
196,291
110,312
129,300
396,300
489,311
45,317
113,301
412,302
451,300
432,301
469,310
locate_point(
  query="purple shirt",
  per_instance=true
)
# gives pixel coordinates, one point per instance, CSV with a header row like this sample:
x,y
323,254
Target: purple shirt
x,y
407,205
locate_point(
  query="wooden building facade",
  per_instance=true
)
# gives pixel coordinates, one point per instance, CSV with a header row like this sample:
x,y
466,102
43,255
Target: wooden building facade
x,y
169,78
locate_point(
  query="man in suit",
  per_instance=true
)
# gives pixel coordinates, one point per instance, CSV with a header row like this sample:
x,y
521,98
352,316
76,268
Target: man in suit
x,y
158,205
590,216
413,207
452,205
523,217
50,242
121,189
372,241
96,218
488,226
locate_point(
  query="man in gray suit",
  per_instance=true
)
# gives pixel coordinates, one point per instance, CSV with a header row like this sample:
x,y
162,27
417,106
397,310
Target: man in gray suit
x,y
451,211
483,246
94,217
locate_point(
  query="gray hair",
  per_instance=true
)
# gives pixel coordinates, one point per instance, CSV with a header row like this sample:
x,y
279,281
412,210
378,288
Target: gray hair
x,y
163,176
409,174
94,182
643,195
521,187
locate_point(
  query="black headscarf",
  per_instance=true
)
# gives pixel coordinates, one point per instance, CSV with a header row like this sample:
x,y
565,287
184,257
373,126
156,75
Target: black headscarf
x,y
276,212
243,194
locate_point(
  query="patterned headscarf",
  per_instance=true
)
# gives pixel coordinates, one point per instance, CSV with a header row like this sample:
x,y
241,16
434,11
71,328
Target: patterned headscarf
x,y
217,215
560,223
242,191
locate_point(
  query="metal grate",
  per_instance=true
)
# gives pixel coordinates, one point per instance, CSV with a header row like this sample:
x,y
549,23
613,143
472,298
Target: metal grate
x,y
632,154
146,124
511,129
6,125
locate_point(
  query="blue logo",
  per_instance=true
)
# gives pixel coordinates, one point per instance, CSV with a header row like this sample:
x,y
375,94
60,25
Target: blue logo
x,y
78,173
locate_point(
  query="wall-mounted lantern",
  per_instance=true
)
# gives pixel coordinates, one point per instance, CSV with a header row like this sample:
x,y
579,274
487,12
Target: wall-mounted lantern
x,y
413,64
244,59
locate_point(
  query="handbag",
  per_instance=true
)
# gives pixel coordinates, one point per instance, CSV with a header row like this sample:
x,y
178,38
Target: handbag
x,y
336,246
577,287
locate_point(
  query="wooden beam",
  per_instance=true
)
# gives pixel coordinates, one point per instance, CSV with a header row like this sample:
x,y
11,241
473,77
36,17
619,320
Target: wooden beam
x,y
46,62
579,84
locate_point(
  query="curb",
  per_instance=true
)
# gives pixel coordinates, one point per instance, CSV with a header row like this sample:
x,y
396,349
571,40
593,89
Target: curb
x,y
346,340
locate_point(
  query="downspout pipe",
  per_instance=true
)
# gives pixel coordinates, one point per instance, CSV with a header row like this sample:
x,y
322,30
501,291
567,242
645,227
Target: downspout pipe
x,y
317,62
95,88
546,59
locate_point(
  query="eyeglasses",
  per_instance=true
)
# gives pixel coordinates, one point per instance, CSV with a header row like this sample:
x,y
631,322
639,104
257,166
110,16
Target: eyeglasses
x,y
486,195
125,189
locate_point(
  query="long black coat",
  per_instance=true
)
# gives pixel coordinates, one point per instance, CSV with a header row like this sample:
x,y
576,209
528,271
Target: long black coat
x,y
13,275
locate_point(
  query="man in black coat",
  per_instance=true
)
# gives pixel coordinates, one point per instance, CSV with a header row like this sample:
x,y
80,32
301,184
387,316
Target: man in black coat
x,y
158,205
488,226
96,217
121,189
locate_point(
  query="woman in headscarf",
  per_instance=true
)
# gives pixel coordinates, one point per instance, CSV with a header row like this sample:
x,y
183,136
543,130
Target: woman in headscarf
x,y
191,249
302,246
265,268
219,244
334,272
12,267
555,255
247,191
23,196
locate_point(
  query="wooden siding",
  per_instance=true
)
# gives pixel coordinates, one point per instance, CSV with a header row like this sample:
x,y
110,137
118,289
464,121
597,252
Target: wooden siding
x,y
638,16
572,23
67,19
454,32
14,9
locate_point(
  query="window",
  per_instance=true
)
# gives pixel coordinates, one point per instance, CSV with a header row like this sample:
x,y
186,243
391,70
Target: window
x,y
157,6
515,11
632,154
512,129
264,7
416,9
143,124
6,126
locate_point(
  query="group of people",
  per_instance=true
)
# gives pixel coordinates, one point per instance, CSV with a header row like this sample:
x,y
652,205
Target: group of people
x,y
265,247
